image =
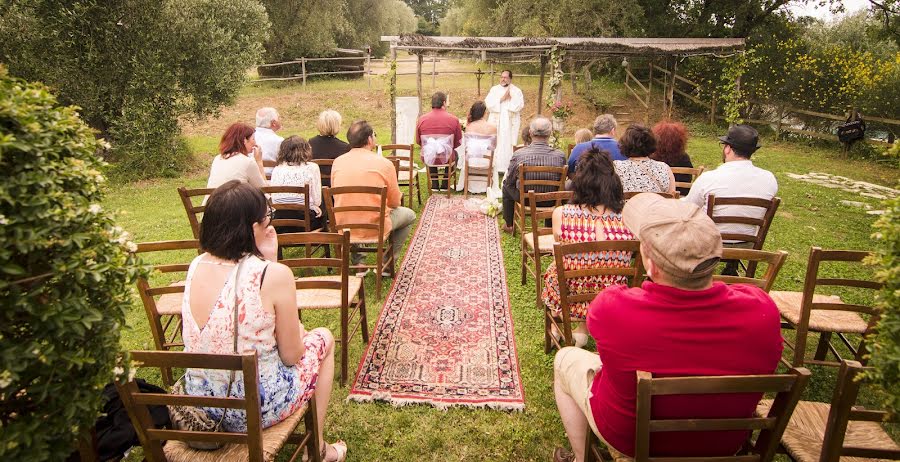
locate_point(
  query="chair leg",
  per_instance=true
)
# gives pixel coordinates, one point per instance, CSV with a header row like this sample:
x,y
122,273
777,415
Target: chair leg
x,y
418,189
524,266
345,329
466,183
363,318
590,442
310,422
538,280
822,348
548,326
378,266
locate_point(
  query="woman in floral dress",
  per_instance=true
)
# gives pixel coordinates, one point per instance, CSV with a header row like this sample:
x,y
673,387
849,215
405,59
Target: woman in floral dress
x,y
593,214
239,256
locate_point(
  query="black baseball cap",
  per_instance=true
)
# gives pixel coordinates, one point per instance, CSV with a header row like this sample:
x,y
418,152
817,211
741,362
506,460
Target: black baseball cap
x,y
744,138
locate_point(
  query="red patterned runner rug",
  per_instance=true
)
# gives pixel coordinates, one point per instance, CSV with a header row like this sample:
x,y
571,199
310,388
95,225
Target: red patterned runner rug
x,y
445,334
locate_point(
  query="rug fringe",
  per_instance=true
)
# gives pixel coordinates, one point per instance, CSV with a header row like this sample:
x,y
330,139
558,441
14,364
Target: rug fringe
x,y
443,406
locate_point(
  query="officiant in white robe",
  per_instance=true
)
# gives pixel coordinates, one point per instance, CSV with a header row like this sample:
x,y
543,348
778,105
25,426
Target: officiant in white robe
x,y
505,102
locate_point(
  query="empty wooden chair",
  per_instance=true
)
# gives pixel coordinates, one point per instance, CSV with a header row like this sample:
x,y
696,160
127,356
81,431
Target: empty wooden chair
x,y
812,311
407,175
773,261
347,217
339,290
787,387
731,216
685,186
539,179
561,253
162,298
823,432
255,445
538,242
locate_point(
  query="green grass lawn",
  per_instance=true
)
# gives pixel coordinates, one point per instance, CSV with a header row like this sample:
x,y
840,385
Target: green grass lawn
x,y
809,215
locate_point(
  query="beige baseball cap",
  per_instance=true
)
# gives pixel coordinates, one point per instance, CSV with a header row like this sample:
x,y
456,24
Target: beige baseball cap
x,y
677,236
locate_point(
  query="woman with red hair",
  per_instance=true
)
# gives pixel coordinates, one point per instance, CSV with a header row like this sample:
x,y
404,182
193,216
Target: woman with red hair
x,y
239,158
671,140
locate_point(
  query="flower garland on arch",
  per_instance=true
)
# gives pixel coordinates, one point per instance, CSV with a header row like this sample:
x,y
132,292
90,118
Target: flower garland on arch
x,y
556,78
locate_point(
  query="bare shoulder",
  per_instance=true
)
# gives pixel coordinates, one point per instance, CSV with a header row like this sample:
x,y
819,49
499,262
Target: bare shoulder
x,y
277,274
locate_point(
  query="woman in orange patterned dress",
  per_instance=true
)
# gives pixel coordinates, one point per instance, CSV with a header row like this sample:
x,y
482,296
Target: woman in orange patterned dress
x,y
593,214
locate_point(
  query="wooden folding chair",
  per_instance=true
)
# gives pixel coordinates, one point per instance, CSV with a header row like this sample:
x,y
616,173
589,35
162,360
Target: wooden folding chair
x,y
563,252
694,172
383,250
533,178
269,164
787,387
294,225
538,242
667,195
767,207
192,200
324,170
773,261
162,303
823,432
255,445
406,170
340,290
810,311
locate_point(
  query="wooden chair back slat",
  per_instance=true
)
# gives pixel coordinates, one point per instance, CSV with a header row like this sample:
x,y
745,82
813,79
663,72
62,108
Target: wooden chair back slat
x,y
269,164
788,388
694,172
163,399
769,206
194,211
773,260
874,285
326,176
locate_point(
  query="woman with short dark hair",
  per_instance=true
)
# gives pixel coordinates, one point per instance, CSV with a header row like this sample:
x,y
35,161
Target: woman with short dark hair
x,y
295,169
239,158
238,266
593,214
640,173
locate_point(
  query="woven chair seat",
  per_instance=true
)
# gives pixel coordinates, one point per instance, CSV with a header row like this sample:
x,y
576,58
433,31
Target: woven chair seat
x,y
170,304
273,439
806,430
789,304
320,299
545,242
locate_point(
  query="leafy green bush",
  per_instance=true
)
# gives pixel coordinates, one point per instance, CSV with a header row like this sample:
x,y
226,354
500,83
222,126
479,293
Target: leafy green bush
x,y
885,344
64,275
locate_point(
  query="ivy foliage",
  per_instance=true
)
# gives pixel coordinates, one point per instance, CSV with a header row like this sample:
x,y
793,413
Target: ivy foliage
x,y
135,67
885,344
65,273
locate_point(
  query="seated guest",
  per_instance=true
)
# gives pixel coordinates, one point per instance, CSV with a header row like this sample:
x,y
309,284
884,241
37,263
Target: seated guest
x,y
526,136
239,158
604,139
736,177
361,166
326,145
593,214
640,173
267,123
681,324
671,139
538,154
479,140
295,169
239,263
438,122
582,135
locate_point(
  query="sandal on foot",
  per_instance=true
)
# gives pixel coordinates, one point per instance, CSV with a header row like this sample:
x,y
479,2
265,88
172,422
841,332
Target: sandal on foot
x,y
340,448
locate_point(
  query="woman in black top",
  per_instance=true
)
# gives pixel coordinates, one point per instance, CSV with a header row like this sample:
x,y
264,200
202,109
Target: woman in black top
x,y
671,140
326,145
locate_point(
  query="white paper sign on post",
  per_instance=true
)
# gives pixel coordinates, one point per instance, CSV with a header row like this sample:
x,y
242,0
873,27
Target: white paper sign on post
x,y
407,115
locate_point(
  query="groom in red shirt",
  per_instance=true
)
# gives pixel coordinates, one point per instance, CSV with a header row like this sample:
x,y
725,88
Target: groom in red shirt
x,y
681,324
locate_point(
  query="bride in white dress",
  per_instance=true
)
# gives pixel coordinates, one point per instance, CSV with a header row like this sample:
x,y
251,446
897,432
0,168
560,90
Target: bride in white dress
x,y
480,138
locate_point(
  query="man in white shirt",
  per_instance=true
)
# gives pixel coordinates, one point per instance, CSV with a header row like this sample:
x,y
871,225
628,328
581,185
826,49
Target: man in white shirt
x,y
505,103
267,123
736,177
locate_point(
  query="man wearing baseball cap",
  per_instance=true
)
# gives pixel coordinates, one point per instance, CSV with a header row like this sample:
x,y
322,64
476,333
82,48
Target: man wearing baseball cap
x,y
736,177
680,324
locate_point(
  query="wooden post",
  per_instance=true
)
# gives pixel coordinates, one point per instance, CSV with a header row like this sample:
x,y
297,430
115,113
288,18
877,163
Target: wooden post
x,y
478,75
572,74
713,109
419,80
650,85
303,69
393,84
369,68
672,88
778,124
540,96
492,73
433,71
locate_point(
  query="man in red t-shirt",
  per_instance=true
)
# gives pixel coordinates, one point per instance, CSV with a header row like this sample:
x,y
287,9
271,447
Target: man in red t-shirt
x,y
439,122
681,324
